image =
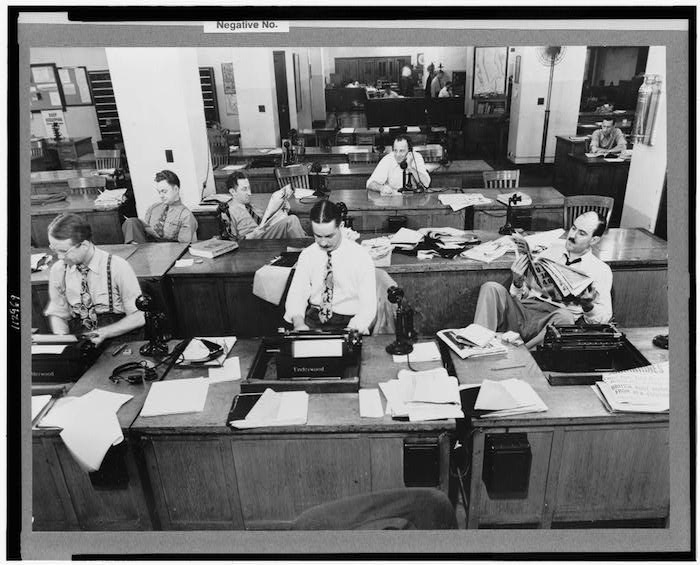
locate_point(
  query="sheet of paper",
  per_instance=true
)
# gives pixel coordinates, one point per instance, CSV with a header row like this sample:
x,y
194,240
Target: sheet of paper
x,y
234,167
277,409
38,403
395,404
406,235
176,397
54,98
421,412
494,396
184,262
300,193
230,371
55,416
48,349
370,403
427,351
89,443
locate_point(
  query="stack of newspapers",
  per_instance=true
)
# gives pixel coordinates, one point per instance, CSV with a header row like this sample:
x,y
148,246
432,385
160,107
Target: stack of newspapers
x,y
472,341
644,389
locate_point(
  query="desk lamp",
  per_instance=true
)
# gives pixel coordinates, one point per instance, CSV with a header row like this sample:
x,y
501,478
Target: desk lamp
x,y
155,330
404,323
508,228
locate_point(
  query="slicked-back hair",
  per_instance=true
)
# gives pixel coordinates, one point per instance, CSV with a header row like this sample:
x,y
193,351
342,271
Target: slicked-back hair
x,y
325,211
70,226
166,175
232,180
602,224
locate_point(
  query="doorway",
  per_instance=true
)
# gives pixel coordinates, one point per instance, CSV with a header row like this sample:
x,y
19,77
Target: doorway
x,y
282,97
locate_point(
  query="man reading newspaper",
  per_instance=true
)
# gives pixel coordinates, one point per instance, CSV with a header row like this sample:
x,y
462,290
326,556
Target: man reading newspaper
x,y
565,283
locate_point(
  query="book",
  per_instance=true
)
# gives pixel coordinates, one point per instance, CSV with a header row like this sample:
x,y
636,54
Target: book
x,y
556,280
212,248
465,349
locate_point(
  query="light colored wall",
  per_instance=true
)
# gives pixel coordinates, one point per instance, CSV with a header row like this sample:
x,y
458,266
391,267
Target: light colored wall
x,y
213,57
80,120
318,98
165,112
254,75
648,166
619,64
298,118
527,117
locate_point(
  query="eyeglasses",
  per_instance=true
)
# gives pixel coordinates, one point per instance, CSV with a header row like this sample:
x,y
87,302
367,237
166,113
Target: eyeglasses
x,y
60,252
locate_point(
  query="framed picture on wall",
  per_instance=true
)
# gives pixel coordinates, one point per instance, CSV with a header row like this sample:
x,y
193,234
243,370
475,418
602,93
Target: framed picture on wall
x,y
45,88
490,64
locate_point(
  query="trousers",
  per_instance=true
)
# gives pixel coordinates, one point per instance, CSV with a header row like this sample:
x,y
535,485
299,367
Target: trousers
x,y
497,310
288,227
134,230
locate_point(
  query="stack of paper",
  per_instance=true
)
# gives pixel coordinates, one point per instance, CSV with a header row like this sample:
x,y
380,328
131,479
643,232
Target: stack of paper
x,y
508,398
300,193
90,425
423,395
176,397
426,351
491,250
379,249
459,201
110,198
406,236
276,409
465,348
645,389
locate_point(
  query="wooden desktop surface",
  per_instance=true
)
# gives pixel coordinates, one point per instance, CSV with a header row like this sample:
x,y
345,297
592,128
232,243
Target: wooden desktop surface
x,y
60,176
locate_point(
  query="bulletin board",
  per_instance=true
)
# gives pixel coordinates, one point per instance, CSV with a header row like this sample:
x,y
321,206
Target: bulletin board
x,y
490,65
45,88
75,86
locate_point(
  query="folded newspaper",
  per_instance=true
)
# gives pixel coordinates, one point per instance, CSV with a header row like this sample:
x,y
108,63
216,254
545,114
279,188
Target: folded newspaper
x,y
556,280
277,206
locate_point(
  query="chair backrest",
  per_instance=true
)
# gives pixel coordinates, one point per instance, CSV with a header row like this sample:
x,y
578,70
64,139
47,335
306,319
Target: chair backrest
x,y
574,206
345,139
37,152
108,158
364,138
368,157
431,153
87,185
296,175
501,179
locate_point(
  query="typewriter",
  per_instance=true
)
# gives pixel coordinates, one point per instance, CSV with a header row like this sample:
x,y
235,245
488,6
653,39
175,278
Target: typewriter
x,y
61,359
315,361
577,355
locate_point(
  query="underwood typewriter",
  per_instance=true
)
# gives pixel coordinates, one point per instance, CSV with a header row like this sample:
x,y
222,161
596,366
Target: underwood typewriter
x,y
315,361
576,355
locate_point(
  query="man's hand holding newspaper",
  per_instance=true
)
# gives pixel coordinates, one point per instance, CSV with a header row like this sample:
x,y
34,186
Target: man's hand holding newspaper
x,y
277,209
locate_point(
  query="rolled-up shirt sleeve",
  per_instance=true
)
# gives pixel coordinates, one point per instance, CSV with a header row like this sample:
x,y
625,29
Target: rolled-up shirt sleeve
x,y
58,304
126,284
380,173
367,295
299,290
602,305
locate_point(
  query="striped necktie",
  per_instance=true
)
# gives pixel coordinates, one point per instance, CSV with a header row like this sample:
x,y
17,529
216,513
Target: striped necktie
x,y
158,227
86,308
253,214
326,310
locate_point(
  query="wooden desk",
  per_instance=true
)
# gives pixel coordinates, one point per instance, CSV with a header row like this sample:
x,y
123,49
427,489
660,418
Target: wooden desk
x,y
594,175
105,224
49,182
343,176
588,465
150,261
215,296
203,475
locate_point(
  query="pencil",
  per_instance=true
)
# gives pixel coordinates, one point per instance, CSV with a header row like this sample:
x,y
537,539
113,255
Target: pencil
x,y
504,368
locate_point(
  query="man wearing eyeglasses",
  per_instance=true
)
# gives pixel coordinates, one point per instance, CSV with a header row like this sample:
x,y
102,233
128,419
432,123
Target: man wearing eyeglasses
x,y
167,220
91,292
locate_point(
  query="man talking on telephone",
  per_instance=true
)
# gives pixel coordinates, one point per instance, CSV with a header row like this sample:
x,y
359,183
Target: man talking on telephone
x,y
393,172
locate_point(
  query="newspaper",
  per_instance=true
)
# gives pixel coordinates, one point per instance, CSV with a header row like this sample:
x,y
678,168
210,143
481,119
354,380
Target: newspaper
x,y
277,206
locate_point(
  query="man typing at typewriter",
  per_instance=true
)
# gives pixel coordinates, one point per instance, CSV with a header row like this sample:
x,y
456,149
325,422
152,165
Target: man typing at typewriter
x,y
91,292
519,308
334,282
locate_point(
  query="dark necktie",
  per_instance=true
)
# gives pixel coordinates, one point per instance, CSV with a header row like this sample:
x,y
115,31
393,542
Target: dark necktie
x,y
86,308
326,311
253,214
158,228
571,262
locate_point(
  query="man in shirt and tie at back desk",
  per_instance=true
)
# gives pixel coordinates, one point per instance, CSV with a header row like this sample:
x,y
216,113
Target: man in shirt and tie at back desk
x,y
518,309
167,220
388,176
334,282
91,292
243,221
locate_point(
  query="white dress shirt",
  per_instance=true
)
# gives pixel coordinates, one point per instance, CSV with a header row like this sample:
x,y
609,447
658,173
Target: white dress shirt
x,y
354,287
388,171
589,265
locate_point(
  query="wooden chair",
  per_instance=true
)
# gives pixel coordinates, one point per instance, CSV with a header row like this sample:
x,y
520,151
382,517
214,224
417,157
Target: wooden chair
x,y
218,146
363,157
364,139
108,159
574,206
431,154
296,175
501,179
87,185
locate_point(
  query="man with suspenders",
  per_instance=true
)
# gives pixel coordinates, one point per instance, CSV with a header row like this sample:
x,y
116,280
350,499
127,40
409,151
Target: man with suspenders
x,y
91,292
